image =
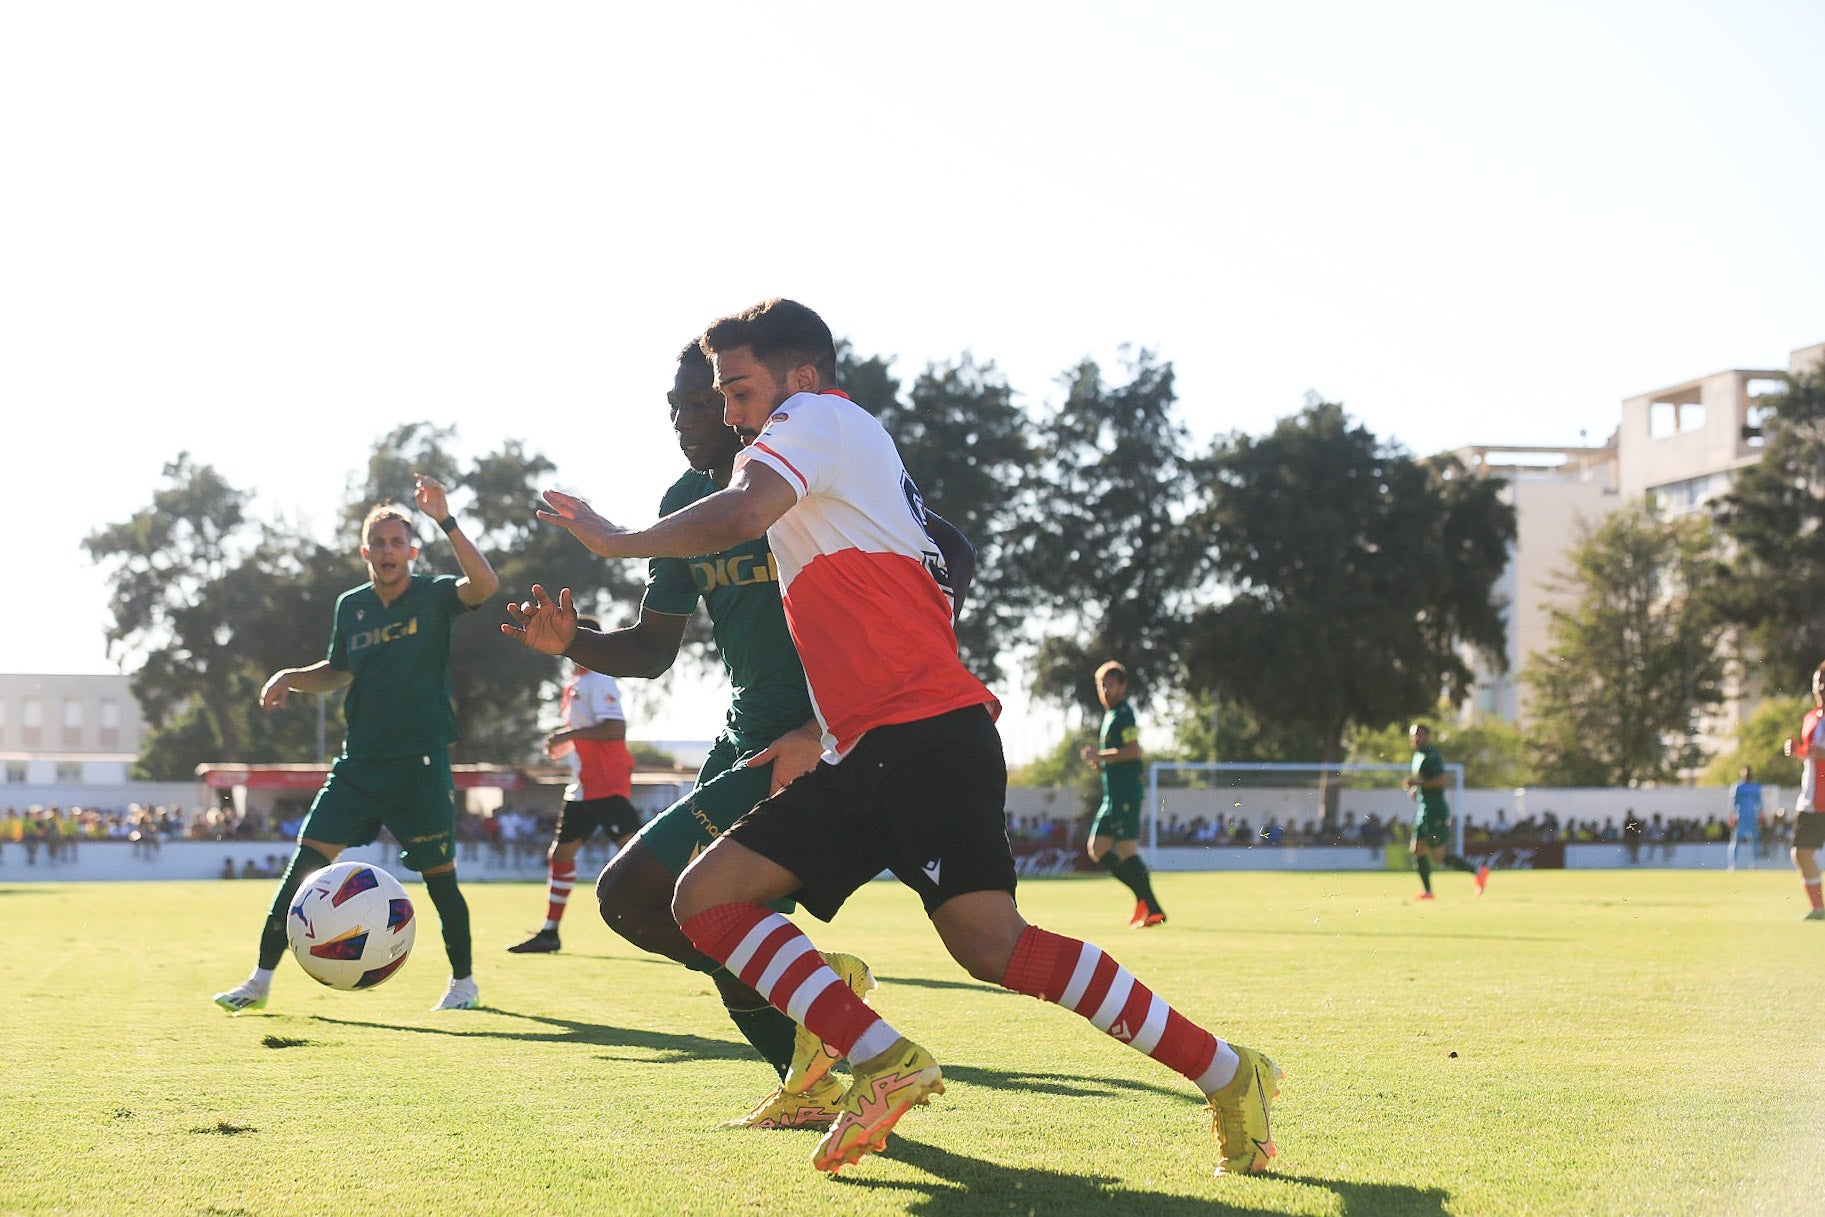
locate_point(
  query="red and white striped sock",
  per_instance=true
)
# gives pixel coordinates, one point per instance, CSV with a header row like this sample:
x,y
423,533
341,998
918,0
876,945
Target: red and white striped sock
x,y
1079,977
563,877
1815,892
776,960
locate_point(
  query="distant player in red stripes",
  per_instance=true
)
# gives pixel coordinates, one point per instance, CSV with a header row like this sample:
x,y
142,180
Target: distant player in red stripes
x,y
1809,817
912,778
593,740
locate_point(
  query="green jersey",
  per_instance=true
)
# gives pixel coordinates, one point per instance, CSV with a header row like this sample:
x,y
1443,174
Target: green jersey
x,y
1426,764
1121,779
740,589
398,657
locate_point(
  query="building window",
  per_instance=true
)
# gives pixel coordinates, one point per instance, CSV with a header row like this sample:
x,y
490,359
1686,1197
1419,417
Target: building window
x,y
15,773
110,723
31,726
1679,498
1675,417
69,771
72,722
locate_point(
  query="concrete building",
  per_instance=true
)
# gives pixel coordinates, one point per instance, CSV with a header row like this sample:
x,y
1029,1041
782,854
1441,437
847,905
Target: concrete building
x,y
67,730
1554,491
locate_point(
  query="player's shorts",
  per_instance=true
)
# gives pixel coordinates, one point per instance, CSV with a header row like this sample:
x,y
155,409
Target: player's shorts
x,y
413,797
1743,831
926,800
1118,817
724,794
613,814
1433,828
1809,830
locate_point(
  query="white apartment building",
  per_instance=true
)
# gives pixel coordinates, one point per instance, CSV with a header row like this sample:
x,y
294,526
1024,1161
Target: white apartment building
x,y
67,730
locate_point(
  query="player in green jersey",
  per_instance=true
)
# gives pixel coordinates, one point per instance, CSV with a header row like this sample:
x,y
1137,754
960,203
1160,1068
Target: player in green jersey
x,y
390,647
1432,818
768,738
1115,832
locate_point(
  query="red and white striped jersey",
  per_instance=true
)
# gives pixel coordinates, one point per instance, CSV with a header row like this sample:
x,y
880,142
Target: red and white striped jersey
x,y
872,625
1810,748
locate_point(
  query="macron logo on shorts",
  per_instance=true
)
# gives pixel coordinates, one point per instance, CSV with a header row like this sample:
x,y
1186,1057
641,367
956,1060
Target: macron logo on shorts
x,y
931,871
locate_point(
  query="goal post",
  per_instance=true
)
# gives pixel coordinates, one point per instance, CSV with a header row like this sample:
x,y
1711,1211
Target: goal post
x,y
1257,792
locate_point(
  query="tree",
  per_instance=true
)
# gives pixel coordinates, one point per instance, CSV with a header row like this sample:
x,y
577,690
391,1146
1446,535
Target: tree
x,y
1493,751
1633,661
1357,578
1101,544
1758,744
1774,517
205,598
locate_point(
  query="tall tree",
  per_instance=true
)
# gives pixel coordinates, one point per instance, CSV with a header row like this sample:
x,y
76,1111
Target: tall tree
x,y
1357,576
1774,516
1633,662
1101,546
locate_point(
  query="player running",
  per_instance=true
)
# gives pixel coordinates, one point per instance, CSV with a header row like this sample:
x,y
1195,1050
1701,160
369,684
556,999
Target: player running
x,y
912,777
1432,818
593,741
1115,833
1809,819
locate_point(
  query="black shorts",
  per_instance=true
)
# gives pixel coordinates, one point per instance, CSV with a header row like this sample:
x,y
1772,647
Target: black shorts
x,y
1809,830
576,821
926,800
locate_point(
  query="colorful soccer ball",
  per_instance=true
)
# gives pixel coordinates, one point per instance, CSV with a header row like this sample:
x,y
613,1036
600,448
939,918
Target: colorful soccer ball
x,y
350,925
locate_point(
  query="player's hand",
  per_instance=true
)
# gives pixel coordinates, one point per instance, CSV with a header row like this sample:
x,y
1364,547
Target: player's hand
x,y
1088,752
793,755
429,494
274,692
556,748
578,518
544,624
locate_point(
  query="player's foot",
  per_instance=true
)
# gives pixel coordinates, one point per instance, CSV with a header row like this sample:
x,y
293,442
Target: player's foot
x,y
545,942
1150,920
1425,896
883,1089
245,996
1139,915
816,1108
1815,915
1239,1114
1482,879
811,1057
461,995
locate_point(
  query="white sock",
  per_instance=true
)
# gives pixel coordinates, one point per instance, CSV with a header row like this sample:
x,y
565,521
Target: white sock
x,y
873,1042
261,978
1222,1069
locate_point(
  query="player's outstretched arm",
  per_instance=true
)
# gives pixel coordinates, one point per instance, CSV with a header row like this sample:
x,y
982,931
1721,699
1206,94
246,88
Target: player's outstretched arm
x,y
643,650
319,677
743,511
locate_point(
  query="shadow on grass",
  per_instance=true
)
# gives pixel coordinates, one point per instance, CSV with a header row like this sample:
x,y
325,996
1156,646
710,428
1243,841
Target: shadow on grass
x,y
964,1186
668,1047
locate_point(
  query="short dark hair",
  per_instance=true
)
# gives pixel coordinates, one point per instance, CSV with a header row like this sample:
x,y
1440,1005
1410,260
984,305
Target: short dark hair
x,y
693,365
783,334
1115,666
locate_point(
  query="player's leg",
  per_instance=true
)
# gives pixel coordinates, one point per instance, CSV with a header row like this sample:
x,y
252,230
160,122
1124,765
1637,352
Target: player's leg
x,y
1132,870
809,842
576,821
1422,859
423,819
634,894
338,816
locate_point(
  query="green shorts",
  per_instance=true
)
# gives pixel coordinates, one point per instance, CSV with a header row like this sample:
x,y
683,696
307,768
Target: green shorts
x,y
1118,817
1433,829
724,794
413,797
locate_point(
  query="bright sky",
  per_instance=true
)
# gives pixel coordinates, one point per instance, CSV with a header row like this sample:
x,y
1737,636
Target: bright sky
x,y
266,234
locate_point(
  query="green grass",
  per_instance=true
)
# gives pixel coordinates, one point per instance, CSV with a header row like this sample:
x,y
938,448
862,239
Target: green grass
x,y
1574,1043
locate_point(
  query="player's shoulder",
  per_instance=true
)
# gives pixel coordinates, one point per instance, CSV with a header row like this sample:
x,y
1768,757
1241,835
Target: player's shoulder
x,y
690,486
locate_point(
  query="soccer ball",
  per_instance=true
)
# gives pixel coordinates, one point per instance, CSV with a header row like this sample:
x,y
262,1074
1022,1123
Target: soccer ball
x,y
350,925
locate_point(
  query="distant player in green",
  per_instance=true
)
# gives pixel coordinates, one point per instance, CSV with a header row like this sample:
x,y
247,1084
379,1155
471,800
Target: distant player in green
x,y
1115,832
1432,820
769,737
390,646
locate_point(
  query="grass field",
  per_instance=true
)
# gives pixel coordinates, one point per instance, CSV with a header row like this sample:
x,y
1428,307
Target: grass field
x,y
1573,1043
